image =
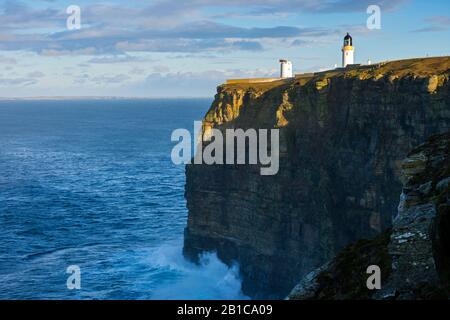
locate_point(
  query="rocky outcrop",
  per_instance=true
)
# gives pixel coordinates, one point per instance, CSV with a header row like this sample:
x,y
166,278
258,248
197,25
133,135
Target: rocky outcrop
x,y
345,277
343,135
415,256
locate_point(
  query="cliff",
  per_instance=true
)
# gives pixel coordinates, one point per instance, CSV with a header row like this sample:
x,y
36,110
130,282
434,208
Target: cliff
x,y
343,135
414,256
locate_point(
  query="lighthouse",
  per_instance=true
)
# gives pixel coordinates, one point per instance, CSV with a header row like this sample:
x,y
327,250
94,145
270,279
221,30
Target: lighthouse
x,y
286,69
347,51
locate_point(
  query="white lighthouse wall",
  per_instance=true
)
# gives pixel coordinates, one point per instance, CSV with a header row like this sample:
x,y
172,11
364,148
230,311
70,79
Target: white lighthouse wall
x,y
347,57
286,70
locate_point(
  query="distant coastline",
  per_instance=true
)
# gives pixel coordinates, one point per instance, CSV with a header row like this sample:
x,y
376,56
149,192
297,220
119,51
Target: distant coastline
x,y
60,98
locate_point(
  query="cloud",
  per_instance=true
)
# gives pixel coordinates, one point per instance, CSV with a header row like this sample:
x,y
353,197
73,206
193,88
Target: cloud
x,y
441,20
67,52
299,43
322,6
115,29
36,74
18,15
102,80
116,59
213,30
140,71
187,45
13,82
30,79
191,37
273,7
110,79
436,23
159,69
247,45
7,60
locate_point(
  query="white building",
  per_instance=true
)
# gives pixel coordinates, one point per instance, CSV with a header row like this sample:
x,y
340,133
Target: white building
x,y
348,51
286,69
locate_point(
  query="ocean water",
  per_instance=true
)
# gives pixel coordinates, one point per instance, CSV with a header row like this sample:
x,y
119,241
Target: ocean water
x,y
91,183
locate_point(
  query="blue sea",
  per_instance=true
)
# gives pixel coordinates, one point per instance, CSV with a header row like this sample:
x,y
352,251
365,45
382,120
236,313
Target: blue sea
x,y
91,183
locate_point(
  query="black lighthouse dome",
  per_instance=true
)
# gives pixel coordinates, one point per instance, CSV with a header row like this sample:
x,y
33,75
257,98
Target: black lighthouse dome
x,y
348,41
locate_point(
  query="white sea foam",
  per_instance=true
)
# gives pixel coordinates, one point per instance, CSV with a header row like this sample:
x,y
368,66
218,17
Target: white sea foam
x,y
210,279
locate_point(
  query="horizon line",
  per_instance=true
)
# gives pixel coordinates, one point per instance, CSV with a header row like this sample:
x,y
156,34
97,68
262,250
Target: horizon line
x,y
98,98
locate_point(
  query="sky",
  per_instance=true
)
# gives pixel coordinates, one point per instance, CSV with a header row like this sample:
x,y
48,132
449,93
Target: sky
x,y
186,48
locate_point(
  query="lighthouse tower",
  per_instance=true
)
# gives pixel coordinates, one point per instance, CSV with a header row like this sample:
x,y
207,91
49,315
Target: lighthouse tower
x,y
286,69
347,51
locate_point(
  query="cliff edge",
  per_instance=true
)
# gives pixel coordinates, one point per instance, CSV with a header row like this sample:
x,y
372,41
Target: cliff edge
x,y
343,136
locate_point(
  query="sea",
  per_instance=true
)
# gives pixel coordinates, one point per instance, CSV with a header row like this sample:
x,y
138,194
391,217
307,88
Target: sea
x,y
92,207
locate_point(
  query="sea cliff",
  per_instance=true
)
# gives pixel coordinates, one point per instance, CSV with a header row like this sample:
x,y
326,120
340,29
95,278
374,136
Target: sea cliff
x,y
414,257
343,136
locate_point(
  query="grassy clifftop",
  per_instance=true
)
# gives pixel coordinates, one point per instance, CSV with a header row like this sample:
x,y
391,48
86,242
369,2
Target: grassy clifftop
x,y
419,67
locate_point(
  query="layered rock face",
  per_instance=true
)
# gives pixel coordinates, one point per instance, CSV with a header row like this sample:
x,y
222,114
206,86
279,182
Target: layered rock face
x,y
343,135
414,256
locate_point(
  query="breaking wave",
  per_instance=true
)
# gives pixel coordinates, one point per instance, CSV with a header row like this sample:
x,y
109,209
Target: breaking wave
x,y
182,279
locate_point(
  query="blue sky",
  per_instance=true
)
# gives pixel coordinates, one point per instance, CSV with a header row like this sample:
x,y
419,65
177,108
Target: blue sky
x,y
161,48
